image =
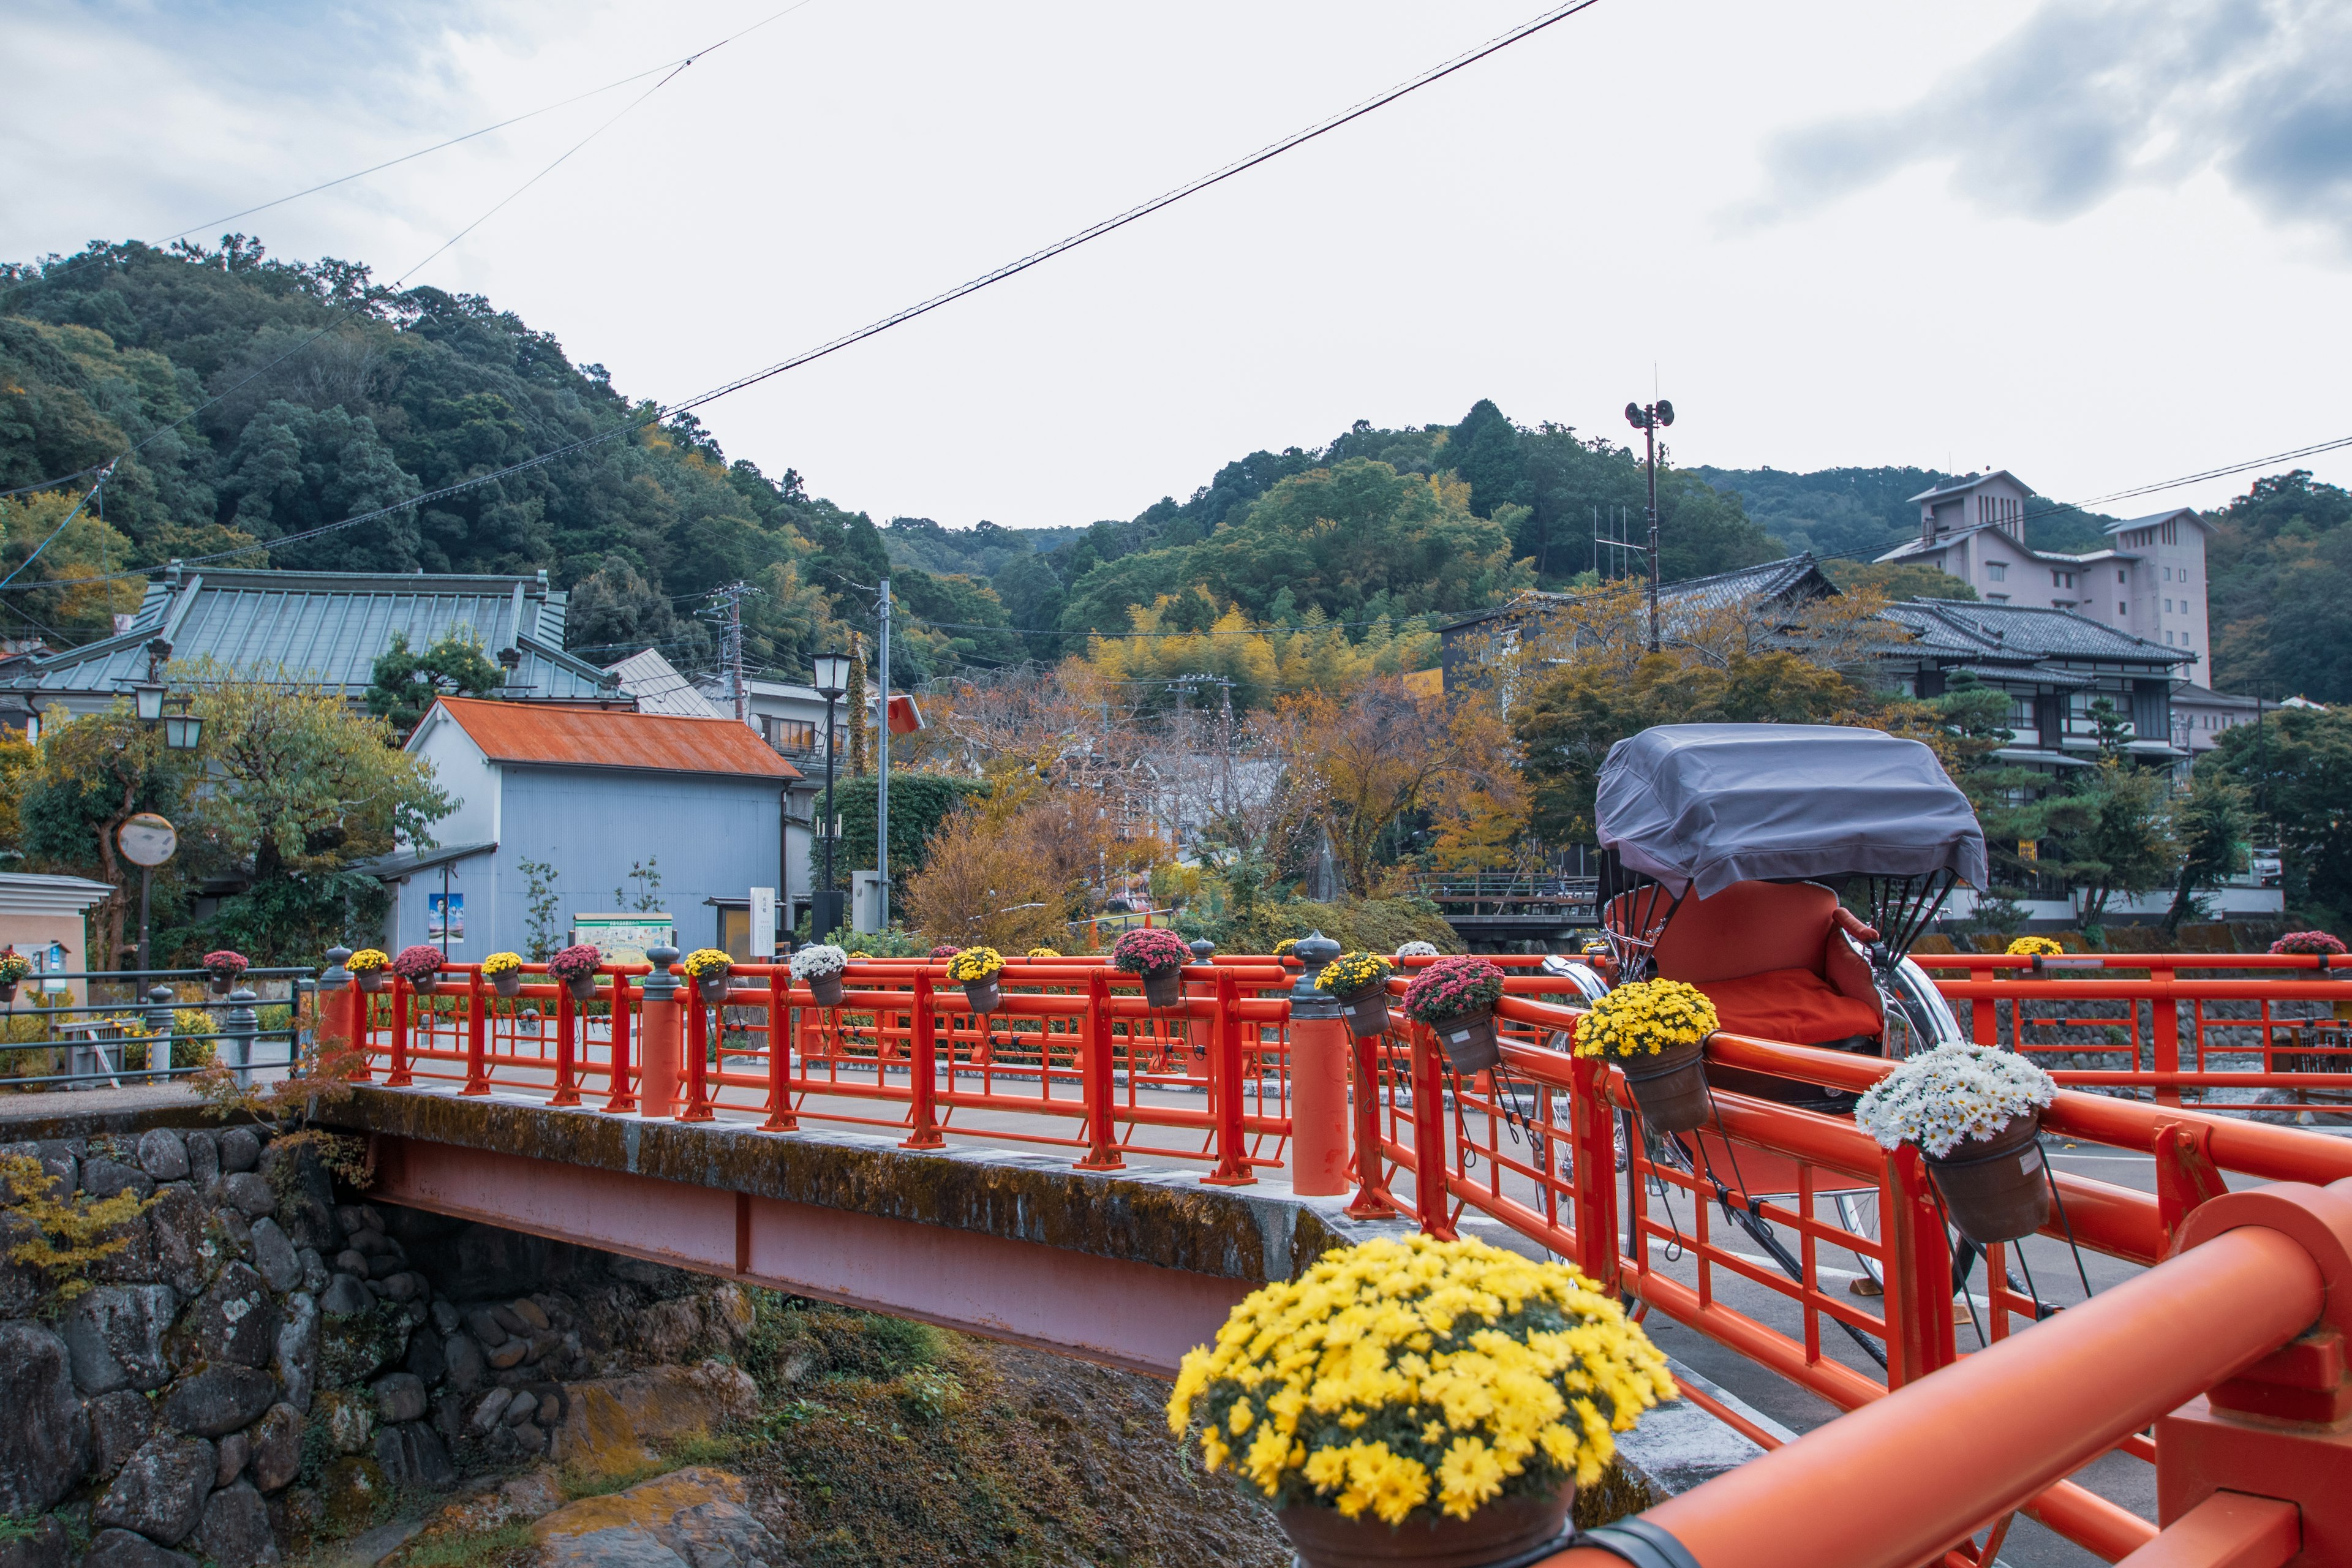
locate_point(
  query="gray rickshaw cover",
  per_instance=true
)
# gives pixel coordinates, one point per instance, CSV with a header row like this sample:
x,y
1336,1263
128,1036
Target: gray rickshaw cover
x,y
1712,804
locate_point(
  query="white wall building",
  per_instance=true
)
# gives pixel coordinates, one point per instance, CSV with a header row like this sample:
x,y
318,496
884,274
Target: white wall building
x,y
2151,581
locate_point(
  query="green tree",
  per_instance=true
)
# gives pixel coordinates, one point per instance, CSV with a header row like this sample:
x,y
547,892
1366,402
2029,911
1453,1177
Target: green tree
x,y
2278,563
2296,768
2109,836
2211,826
405,683
918,804
93,774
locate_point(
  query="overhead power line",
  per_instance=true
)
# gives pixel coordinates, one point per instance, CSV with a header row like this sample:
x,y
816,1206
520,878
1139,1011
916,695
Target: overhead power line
x,y
1009,270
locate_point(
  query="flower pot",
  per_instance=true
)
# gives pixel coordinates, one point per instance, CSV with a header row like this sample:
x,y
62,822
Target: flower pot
x,y
1671,1087
1468,1040
369,979
984,994
713,987
1164,987
507,982
222,984
1506,1529
425,984
1995,1190
1367,1010
583,989
826,989
9,989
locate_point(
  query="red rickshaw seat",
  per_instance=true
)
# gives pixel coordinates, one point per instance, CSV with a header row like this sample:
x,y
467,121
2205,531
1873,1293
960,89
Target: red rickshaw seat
x,y
1772,959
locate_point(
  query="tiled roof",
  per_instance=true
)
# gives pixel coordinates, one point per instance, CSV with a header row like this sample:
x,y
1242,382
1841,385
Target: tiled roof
x,y
2152,519
332,626
1968,482
658,687
1761,582
561,736
2024,631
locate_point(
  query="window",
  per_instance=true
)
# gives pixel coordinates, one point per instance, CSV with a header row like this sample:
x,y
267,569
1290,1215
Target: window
x,y
2184,574
2167,639
788,734
2167,573
2120,577
1996,571
2121,609
1996,598
2168,606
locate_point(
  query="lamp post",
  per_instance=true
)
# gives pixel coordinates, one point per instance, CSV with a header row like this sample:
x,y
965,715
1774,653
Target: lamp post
x,y
1649,419
830,676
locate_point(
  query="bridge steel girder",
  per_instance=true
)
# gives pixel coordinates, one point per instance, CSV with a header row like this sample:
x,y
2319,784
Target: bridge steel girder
x,y
1130,1269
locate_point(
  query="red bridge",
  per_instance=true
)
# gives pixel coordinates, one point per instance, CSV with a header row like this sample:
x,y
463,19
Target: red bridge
x,y
1080,1171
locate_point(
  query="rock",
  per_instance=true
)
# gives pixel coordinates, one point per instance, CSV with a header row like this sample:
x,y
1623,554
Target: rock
x,y
489,1411
412,1454
607,1423
532,1314
275,1255
415,1310
309,1212
121,1549
235,1321
115,1335
315,1273
351,1262
522,1408
184,1256
346,1298
277,1441
45,1438
542,1342
298,1350
20,1283
161,1489
426,1358
46,1545
219,1399
446,1319
129,1252
119,1424
550,1409
232,1452
400,1286
508,1355
464,1364
351,1423
163,1155
372,1243
400,1397
104,1178
352,1350
347,1218
486,1329
350,1494
667,1328
203,1157
240,1150
692,1518
233,1224
236,1528
507,1318
250,1192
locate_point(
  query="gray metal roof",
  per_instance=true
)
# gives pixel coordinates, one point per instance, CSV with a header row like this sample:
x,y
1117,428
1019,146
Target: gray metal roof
x,y
1968,482
2152,519
408,862
2025,632
329,626
658,687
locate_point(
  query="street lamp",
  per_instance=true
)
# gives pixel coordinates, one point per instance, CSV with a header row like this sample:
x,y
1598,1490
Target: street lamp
x,y
1649,421
183,730
830,677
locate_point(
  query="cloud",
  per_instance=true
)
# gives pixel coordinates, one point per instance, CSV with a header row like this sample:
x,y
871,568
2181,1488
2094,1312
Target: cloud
x,y
2087,98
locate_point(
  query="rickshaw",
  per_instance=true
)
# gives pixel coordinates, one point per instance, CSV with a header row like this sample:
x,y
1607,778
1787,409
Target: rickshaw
x,y
1786,870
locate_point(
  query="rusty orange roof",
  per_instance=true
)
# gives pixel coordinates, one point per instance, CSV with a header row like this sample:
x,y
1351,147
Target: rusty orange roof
x,y
601,738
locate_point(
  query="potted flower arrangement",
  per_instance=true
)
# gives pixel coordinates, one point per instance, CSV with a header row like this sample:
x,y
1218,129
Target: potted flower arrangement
x,y
820,969
419,966
504,972
1358,982
367,966
1041,953
1417,950
943,952
1975,1113
708,968
14,967
2321,944
1655,1031
2034,947
575,967
976,969
222,969
1158,955
1455,997
1282,949
1475,1391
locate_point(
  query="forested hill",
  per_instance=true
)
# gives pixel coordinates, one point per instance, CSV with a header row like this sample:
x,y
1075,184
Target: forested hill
x,y
268,398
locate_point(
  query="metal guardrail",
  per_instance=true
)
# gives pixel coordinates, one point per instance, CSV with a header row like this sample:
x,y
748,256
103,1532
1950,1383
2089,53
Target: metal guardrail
x,y
112,1044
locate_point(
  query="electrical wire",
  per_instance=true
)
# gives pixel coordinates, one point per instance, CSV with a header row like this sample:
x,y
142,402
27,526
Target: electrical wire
x,y
52,539
1009,270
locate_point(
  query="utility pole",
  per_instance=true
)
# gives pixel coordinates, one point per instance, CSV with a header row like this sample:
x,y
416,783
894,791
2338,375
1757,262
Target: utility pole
x,y
882,766
1648,419
727,609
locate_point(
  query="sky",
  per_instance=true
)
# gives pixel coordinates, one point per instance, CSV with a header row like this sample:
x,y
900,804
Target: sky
x,y
2099,244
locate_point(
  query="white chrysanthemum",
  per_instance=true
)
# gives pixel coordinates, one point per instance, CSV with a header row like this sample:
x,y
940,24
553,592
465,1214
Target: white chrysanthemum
x,y
808,962
1940,1097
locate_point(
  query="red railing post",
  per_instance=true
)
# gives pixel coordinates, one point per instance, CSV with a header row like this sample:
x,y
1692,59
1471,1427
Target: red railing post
x,y
1225,1091
624,1095
567,1030
1918,1267
1319,1060
780,1053
660,1026
697,1047
1433,1204
922,1068
2164,1017
398,1077
1372,1200
477,1044
1095,1078
1592,1133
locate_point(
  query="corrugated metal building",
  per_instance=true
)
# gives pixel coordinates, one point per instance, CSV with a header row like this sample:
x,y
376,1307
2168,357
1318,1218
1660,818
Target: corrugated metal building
x,y
593,794
329,625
